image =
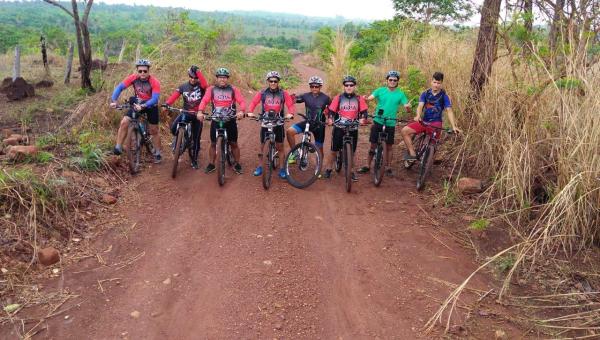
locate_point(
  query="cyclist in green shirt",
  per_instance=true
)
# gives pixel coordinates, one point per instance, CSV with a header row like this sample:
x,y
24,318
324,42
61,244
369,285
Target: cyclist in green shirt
x,y
389,98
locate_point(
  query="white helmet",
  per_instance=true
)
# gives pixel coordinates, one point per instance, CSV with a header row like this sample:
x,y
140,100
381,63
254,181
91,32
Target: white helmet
x,y
315,80
273,74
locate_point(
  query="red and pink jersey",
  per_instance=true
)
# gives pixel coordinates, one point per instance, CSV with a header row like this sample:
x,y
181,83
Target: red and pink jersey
x,y
348,106
143,88
273,101
223,97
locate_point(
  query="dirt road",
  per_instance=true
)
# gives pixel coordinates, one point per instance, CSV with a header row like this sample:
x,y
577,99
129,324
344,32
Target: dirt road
x,y
239,262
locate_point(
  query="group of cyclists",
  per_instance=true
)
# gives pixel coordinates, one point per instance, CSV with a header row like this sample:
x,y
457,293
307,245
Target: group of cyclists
x,y
197,95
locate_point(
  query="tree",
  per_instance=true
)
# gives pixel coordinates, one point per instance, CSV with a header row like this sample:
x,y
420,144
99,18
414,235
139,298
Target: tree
x,y
485,51
434,10
82,34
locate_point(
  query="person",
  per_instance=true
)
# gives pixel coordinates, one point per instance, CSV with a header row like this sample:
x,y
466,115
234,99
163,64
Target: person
x,y
191,93
276,99
147,92
347,105
316,103
223,96
389,98
432,104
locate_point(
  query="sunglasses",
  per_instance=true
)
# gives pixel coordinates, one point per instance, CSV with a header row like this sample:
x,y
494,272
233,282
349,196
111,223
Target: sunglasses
x,y
394,80
142,71
315,86
222,77
273,81
349,85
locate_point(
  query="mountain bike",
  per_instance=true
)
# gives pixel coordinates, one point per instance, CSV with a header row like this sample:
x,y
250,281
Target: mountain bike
x,y
183,139
425,145
380,150
223,149
308,159
137,137
346,155
270,120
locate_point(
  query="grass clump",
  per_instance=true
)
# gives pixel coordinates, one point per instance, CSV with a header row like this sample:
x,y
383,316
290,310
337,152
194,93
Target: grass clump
x,y
480,224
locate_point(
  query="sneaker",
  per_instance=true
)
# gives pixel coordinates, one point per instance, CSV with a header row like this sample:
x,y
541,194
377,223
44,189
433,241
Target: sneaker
x,y
195,165
354,178
258,171
282,173
117,150
389,173
210,168
327,174
365,169
157,158
292,158
410,158
237,168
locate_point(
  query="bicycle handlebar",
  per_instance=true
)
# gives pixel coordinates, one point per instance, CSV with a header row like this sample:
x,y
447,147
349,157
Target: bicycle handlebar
x,y
175,109
312,121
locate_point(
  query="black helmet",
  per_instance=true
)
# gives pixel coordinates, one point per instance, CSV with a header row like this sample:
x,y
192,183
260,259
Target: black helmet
x,y
192,71
349,79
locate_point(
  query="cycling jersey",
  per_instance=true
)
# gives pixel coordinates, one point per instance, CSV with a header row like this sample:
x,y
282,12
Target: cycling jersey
x,y
388,101
192,95
316,106
435,104
148,91
223,97
349,106
273,100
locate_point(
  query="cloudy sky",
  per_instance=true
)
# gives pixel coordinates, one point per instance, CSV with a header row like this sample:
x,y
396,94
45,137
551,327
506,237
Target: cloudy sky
x,y
368,10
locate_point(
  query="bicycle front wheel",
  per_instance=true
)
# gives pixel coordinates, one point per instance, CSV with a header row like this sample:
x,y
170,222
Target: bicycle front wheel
x,y
425,166
268,163
221,157
134,150
348,165
378,165
178,151
307,166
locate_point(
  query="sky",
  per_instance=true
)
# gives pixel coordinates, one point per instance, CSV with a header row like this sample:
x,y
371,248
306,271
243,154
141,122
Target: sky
x,y
367,10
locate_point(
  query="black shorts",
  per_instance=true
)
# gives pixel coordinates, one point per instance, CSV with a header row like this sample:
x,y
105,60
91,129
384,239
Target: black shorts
x,y
151,114
337,140
317,130
278,130
230,127
377,128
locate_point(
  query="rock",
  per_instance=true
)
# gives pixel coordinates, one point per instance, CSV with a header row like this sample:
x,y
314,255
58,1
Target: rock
x,y
3,270
278,326
155,314
10,141
6,133
167,281
108,199
500,334
135,314
44,83
469,185
48,256
18,152
267,262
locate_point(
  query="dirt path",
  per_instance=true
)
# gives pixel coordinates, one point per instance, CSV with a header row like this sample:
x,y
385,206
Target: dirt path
x,y
241,262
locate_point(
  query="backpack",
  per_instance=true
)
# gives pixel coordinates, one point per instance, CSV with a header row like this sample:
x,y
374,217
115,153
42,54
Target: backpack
x,y
263,98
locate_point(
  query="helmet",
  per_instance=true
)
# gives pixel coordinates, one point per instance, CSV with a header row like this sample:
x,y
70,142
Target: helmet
x,y
393,73
349,79
192,71
222,72
273,74
142,62
315,80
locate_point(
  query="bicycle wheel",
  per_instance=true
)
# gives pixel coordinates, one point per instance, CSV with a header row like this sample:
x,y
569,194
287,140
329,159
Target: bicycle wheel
x,y
221,158
339,160
268,164
230,157
425,166
378,164
418,145
178,151
348,165
133,154
307,167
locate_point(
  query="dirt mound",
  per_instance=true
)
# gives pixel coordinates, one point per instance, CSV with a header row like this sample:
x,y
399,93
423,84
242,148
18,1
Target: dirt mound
x,y
44,83
97,64
17,89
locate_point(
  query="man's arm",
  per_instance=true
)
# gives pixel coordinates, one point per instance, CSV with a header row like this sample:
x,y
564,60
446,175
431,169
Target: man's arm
x,y
239,99
289,102
173,97
254,103
205,100
202,80
419,111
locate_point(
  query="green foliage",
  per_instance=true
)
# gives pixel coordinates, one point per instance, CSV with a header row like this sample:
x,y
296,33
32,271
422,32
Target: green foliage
x,y
46,141
43,157
262,62
414,85
480,224
505,263
29,185
370,43
434,10
91,159
323,43
569,84
280,42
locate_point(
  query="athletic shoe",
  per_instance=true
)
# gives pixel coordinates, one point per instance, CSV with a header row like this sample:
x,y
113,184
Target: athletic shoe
x,y
258,171
282,174
327,174
210,168
117,150
354,178
237,168
364,170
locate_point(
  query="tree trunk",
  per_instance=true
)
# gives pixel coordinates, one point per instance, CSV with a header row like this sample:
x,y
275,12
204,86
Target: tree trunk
x,y
485,50
528,11
17,64
44,57
105,60
137,53
123,46
555,27
83,48
69,63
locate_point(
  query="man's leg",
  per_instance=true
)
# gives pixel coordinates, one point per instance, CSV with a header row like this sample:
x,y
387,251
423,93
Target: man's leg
x,y
122,133
407,134
291,136
154,132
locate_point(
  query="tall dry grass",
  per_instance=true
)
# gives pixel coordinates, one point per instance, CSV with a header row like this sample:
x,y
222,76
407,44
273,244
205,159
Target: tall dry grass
x,y
340,64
